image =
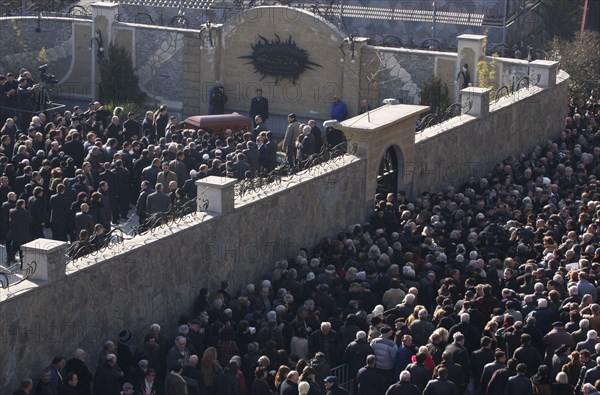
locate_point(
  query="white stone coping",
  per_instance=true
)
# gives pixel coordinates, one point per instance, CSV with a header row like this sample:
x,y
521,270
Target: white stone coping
x,y
164,28
45,18
382,117
414,51
477,37
46,246
438,129
215,182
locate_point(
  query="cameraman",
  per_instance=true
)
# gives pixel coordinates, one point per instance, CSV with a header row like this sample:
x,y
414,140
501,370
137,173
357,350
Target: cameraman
x,y
218,98
26,101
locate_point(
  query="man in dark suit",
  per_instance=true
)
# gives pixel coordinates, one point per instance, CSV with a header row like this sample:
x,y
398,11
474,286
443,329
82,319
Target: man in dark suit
x,y
26,387
441,385
519,384
70,382
271,146
78,366
158,201
59,213
19,223
259,105
150,173
189,186
84,221
23,180
121,191
290,385
4,216
140,207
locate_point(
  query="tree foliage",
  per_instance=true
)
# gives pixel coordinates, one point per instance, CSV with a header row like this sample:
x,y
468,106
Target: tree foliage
x,y
435,95
580,58
560,18
118,80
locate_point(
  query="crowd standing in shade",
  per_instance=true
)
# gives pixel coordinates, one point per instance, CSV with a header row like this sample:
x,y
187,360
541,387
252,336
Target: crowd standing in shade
x,y
489,288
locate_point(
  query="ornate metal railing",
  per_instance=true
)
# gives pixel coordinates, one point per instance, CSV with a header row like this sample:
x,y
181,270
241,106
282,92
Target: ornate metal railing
x,y
95,244
284,173
11,277
444,114
516,85
173,217
98,245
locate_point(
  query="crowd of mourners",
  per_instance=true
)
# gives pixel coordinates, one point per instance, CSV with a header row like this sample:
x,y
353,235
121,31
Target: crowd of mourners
x,y
81,172
488,289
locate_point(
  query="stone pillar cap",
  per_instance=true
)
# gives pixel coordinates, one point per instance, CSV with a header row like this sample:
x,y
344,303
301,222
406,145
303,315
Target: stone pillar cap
x,y
45,245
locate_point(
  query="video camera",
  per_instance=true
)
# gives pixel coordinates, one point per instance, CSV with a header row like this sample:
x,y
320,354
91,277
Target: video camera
x,y
46,77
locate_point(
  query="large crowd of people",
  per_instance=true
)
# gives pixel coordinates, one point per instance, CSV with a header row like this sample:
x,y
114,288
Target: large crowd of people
x,y
489,288
81,172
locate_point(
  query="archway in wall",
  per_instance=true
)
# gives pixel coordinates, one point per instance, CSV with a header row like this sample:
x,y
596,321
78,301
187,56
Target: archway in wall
x,y
391,168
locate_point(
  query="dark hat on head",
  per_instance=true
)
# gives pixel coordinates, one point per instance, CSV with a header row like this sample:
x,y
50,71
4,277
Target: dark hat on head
x,y
558,324
385,329
195,321
124,336
331,379
401,319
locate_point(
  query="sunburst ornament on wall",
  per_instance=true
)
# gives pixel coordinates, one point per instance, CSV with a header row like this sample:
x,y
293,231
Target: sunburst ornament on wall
x,y
279,59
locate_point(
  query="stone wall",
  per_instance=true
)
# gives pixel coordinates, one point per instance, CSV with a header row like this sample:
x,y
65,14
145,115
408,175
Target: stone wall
x,y
312,92
22,46
156,277
403,72
159,63
447,153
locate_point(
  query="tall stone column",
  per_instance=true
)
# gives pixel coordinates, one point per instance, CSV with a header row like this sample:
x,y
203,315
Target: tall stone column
x,y
351,78
201,67
103,17
470,51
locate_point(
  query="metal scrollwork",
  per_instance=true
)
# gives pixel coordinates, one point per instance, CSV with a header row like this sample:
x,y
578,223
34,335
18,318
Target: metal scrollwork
x,y
442,115
6,276
95,244
283,171
524,82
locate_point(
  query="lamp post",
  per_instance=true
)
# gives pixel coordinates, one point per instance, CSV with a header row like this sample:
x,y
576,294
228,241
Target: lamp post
x,y
504,27
434,16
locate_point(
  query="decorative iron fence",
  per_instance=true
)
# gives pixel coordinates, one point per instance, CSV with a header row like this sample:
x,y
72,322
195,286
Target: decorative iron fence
x,y
444,114
11,277
516,85
283,173
99,244
44,8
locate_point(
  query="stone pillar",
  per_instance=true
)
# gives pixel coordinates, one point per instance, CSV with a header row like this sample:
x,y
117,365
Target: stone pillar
x,y
201,67
103,17
49,256
480,98
351,74
470,51
219,191
542,73
390,126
